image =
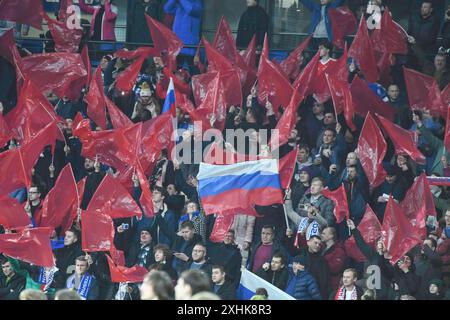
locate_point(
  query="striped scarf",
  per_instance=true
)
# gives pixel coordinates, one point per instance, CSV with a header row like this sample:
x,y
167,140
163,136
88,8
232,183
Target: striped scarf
x,y
342,293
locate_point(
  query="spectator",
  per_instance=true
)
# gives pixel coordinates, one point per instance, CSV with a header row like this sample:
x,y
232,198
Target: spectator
x,y
300,185
405,278
196,217
146,107
446,29
187,13
137,29
438,69
349,290
424,27
67,294
93,180
103,21
163,215
276,271
320,26
403,115
11,283
263,251
163,261
65,257
228,255
260,294
34,205
198,259
141,253
302,285
335,256
253,22
428,265
82,281
31,294
224,288
157,285
190,283
243,225
332,149
436,290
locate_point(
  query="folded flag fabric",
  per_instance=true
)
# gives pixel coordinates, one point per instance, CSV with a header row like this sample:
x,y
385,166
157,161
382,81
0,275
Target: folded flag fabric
x,y
237,188
250,282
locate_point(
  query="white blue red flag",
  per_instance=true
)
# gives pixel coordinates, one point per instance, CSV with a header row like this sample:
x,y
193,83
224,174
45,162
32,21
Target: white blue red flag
x,y
237,188
169,102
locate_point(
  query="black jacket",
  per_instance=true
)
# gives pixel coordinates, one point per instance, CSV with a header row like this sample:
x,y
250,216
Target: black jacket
x,y
65,258
227,291
180,245
12,289
253,21
228,256
428,267
318,267
133,255
278,278
92,182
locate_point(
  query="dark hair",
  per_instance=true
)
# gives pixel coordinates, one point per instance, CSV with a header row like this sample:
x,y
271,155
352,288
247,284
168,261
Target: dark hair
x,y
187,224
160,190
434,242
161,283
330,129
197,280
75,232
333,229
304,147
268,226
279,254
164,248
261,292
315,236
352,166
232,231
217,266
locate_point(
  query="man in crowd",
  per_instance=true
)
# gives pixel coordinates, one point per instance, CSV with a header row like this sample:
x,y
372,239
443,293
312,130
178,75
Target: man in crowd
x,y
82,281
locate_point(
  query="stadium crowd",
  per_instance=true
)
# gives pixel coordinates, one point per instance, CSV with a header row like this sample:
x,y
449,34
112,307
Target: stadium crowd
x,y
86,160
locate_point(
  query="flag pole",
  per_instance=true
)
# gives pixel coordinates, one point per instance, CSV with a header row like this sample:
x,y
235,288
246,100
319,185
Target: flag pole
x,y
284,211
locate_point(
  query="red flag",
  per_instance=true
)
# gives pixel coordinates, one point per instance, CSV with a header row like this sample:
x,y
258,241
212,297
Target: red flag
x,y
286,167
60,72
390,37
59,201
97,231
418,204
365,100
32,113
114,200
165,41
67,222
66,39
28,12
305,81
216,61
87,63
7,42
5,132
385,61
398,233
118,118
96,101
134,274
127,78
29,245
12,214
117,256
249,57
339,197
140,52
291,65
32,150
370,229
447,131
371,151
222,224
272,83
343,22
403,140
146,199
12,171
445,95
423,92
361,50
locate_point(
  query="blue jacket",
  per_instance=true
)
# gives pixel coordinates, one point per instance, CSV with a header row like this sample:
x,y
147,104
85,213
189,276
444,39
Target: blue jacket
x,y
187,22
315,9
302,286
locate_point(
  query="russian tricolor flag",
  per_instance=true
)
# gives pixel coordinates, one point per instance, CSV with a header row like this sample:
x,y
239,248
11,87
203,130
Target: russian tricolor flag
x,y
250,282
169,102
237,188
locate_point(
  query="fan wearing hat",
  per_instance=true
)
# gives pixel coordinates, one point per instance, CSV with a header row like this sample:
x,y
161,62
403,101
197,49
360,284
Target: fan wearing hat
x,y
390,186
146,107
301,284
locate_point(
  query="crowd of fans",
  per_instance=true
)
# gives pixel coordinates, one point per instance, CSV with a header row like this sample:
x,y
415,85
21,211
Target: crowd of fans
x,y
175,244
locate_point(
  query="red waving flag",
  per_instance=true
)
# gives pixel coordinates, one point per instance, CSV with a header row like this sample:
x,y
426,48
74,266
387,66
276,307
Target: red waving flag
x,y
370,229
5,132
339,198
343,22
423,92
97,231
96,101
28,12
447,131
118,118
272,83
403,140
67,222
390,37
361,50
305,81
371,151
12,214
398,233
418,204
66,39
291,65
134,274
166,42
146,199
29,245
224,42
114,200
87,63
59,201
7,42
249,57
365,100
60,72
286,167
12,171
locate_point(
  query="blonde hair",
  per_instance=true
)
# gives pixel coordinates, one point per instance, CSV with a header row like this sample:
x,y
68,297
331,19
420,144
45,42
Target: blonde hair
x,y
32,294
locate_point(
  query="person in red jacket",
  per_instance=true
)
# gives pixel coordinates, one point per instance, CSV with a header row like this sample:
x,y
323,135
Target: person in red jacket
x,y
334,254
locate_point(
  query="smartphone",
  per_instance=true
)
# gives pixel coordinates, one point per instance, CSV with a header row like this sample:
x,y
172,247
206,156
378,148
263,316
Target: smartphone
x,y
125,226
